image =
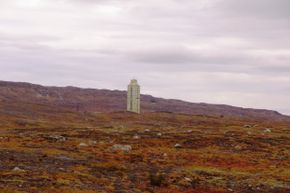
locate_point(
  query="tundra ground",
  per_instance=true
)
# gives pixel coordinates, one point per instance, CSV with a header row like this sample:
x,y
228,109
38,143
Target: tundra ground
x,y
152,152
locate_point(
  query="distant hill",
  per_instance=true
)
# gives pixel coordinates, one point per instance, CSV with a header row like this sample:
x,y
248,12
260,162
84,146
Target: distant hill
x,y
25,98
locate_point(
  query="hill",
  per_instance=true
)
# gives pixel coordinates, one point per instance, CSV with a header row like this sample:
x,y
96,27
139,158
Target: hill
x,y
26,98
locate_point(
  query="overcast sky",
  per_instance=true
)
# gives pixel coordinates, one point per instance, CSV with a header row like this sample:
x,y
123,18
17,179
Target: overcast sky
x,y
234,52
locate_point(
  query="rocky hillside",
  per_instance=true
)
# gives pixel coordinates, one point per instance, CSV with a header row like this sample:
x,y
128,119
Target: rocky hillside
x,y
26,98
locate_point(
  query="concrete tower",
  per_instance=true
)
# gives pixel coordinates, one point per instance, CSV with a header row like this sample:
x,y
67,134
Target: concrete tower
x,y
133,97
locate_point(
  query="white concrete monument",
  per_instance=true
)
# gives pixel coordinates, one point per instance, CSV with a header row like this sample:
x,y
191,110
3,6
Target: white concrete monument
x,y
133,97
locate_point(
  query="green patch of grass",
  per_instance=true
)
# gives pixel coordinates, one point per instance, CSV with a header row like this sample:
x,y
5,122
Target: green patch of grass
x,y
215,171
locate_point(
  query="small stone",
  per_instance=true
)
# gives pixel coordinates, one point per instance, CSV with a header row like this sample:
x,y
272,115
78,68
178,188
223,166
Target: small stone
x,y
62,157
187,179
185,182
189,131
17,169
238,147
136,137
92,142
147,130
159,134
267,130
178,145
165,155
126,148
57,138
83,145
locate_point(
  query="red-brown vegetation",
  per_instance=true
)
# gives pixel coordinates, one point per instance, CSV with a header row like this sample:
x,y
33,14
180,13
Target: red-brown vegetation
x,y
73,152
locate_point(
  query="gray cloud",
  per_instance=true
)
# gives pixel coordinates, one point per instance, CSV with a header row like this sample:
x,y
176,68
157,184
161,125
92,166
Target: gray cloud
x,y
264,9
216,51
